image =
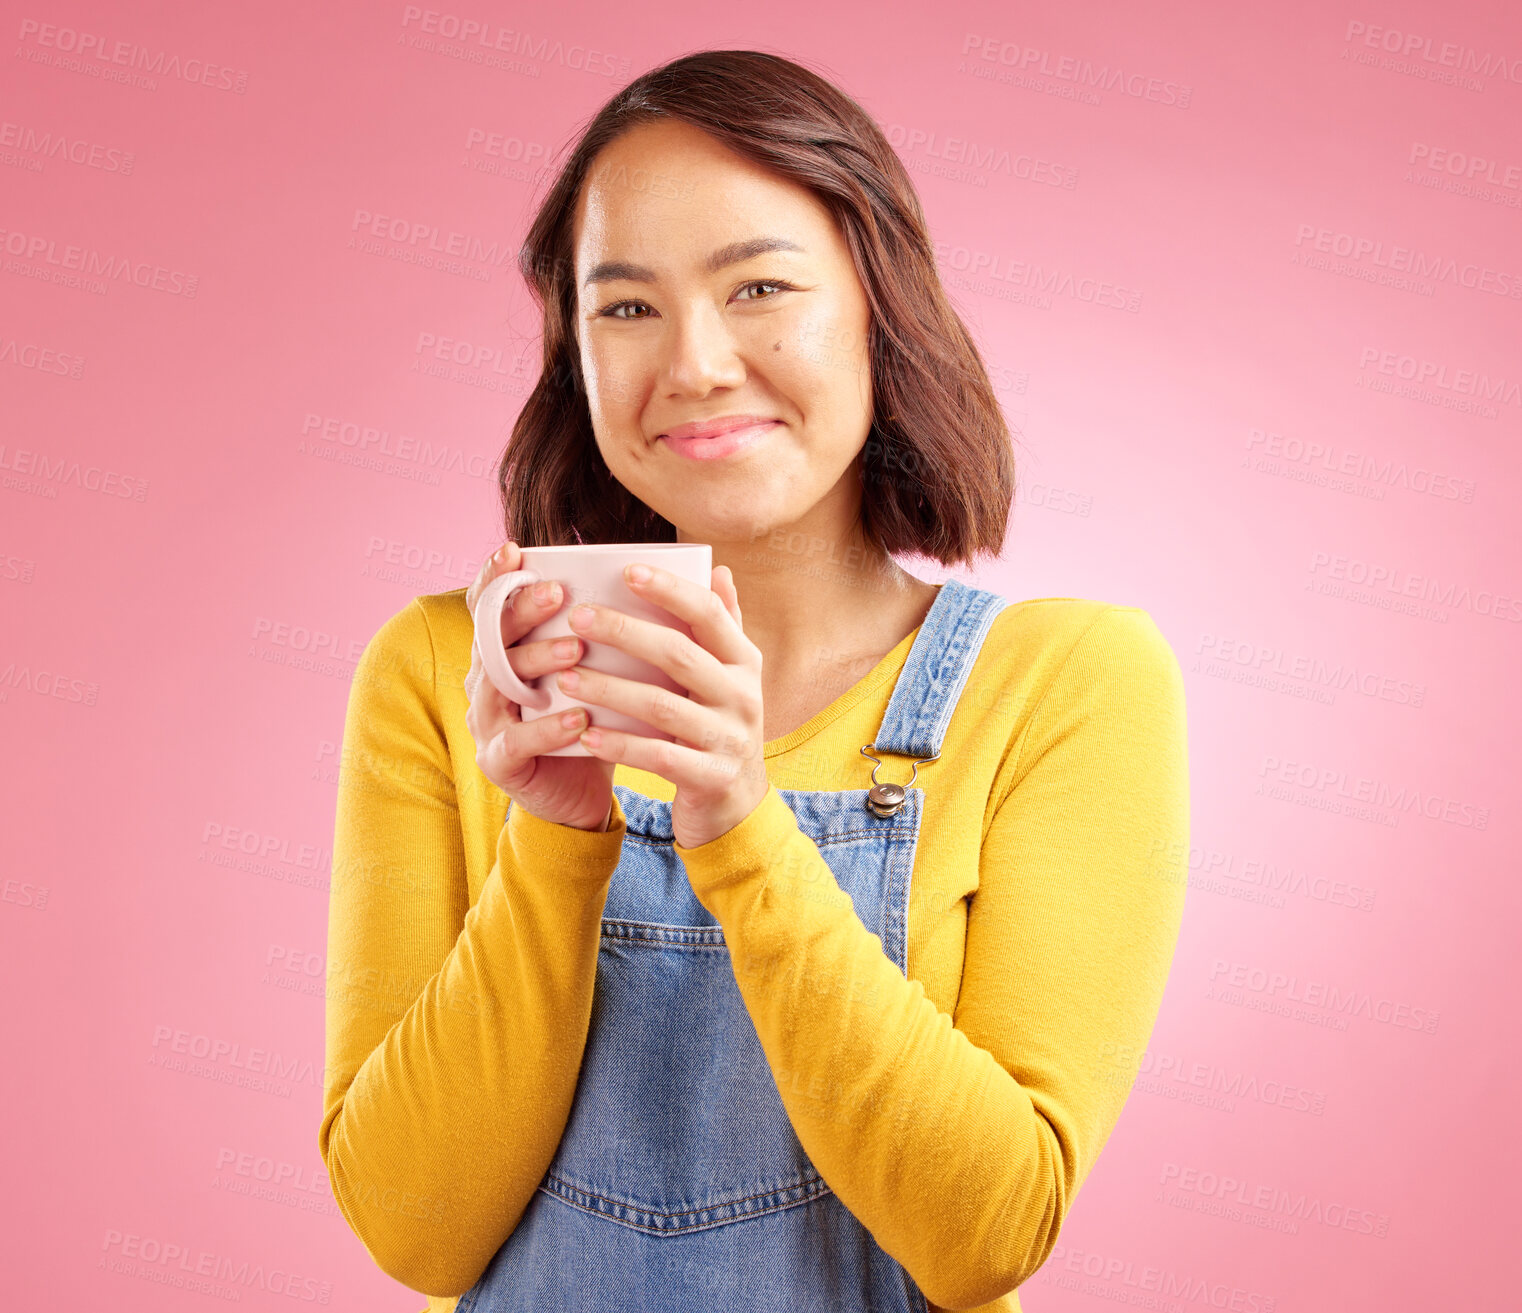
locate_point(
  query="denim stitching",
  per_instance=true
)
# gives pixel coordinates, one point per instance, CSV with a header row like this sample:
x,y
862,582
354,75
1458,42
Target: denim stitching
x,y
562,1188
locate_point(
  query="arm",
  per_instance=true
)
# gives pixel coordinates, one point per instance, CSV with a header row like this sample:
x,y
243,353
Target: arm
x,y
454,1033
960,1143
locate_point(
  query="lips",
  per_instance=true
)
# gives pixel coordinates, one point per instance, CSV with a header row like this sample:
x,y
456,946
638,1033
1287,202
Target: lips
x,y
727,437
716,427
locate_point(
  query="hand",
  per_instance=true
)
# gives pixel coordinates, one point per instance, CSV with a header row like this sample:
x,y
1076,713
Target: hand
x,y
716,762
574,791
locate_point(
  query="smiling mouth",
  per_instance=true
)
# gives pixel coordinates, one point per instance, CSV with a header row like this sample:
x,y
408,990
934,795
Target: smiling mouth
x,y
727,443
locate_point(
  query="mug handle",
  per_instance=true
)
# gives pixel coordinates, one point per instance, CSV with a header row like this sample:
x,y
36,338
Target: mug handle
x,y
488,621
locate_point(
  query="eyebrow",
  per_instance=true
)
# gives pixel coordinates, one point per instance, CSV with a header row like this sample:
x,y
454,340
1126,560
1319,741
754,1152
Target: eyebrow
x,y
609,271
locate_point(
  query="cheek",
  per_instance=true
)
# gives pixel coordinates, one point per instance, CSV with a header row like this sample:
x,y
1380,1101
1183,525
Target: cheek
x,y
827,351
612,379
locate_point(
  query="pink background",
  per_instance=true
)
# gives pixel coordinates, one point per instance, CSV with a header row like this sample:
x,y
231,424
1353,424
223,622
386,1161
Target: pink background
x,y
1313,224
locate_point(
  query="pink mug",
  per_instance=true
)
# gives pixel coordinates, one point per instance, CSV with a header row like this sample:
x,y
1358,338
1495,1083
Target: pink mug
x,y
586,572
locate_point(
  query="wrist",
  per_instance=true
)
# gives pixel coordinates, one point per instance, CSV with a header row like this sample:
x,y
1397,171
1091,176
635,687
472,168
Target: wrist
x,y
597,827
575,852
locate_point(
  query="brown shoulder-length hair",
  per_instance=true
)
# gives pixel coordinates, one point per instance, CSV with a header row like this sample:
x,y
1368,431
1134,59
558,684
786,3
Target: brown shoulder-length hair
x,y
938,474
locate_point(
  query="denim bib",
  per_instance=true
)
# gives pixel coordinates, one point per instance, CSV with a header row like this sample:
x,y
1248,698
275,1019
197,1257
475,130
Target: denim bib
x,y
679,1183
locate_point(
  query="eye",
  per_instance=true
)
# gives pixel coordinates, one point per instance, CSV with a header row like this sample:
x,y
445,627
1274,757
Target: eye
x,y
612,311
785,287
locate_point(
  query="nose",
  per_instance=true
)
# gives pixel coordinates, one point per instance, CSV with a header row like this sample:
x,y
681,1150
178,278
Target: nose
x,y
701,353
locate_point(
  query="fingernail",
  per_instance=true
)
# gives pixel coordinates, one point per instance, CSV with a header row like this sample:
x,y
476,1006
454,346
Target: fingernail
x,y
546,591
581,616
638,574
566,647
500,555
572,719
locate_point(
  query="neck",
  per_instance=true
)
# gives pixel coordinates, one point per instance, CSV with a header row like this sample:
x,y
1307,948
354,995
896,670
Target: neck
x,y
804,595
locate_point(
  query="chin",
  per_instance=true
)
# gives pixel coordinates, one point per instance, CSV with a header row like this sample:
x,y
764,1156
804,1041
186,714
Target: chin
x,y
739,526
729,512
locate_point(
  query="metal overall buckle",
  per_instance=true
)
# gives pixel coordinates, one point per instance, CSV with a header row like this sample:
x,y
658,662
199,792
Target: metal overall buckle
x,y
885,799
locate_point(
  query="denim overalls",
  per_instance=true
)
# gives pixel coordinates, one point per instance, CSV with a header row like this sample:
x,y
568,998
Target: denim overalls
x,y
679,1183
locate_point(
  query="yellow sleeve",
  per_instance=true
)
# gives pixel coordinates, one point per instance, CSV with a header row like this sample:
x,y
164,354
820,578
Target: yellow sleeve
x,y
454,1032
960,1143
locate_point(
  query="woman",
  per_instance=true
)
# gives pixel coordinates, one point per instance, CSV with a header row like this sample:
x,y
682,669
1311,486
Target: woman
x,y
692,1025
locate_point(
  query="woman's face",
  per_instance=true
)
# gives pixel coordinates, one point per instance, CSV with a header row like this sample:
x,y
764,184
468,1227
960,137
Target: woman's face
x,y
667,340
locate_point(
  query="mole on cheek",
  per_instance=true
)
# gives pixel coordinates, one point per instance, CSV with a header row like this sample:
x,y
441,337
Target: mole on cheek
x,y
777,347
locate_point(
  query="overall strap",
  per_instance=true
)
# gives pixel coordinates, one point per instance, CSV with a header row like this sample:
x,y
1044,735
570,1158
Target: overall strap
x,y
939,662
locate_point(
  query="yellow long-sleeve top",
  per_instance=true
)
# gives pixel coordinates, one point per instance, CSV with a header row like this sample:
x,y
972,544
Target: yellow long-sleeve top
x,y
955,1112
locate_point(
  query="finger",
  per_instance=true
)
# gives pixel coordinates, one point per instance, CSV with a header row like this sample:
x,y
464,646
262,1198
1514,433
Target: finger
x,y
509,751
478,685
725,586
529,660
473,675
490,710
694,669
658,707
683,766
531,737
490,567
705,612
473,589
530,607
